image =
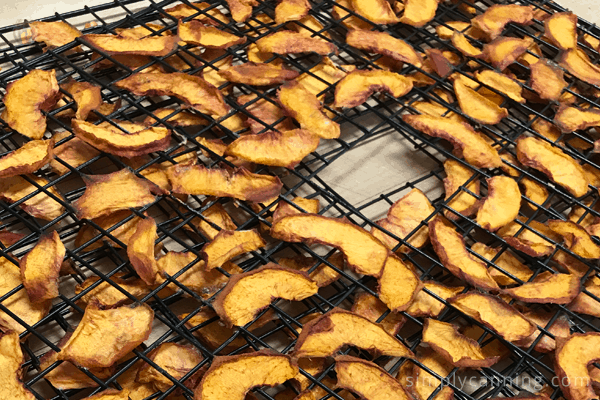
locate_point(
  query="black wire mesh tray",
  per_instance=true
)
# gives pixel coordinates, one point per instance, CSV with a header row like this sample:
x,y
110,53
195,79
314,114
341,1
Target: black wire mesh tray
x,y
101,254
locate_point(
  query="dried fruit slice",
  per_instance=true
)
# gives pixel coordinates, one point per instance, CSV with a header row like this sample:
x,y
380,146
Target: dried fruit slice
x,y
291,10
560,329
325,335
550,160
214,334
53,34
463,45
376,11
570,119
323,275
258,74
505,50
531,240
198,10
106,194
478,107
561,29
495,18
194,91
450,247
398,284
290,42
501,83
357,86
196,33
240,184
578,63
41,205
420,383
40,268
373,309
320,77
73,153
418,13
122,233
367,379
547,80
576,238
175,118
140,250
495,314
305,107
455,348
506,261
112,139
385,44
229,244
426,305
120,330
26,159
264,112
248,293
572,358
148,46
547,288
456,176
107,295
87,96
311,206
25,100
466,141
232,377
174,359
11,358
363,253
501,205
584,303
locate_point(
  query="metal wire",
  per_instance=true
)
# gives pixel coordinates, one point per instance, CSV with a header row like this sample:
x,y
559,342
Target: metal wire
x,y
102,256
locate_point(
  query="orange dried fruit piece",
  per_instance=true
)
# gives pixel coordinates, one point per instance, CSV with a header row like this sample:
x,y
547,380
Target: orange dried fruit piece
x,y
214,333
108,295
27,159
88,97
148,46
561,29
290,42
463,45
11,358
450,247
196,33
560,329
422,384
501,205
291,10
229,244
320,77
182,118
547,288
494,313
547,80
363,253
584,303
194,91
370,307
232,377
384,44
376,11
18,303
572,359
120,330
505,50
40,268
570,119
248,293
398,284
213,215
53,34
467,142
127,380
122,233
41,205
495,18
198,10
506,261
112,139
425,305
459,350
240,183
356,87
477,106
311,206
367,379
529,240
263,112
456,176
174,359
418,13
554,163
323,275
577,62
325,335
106,194
501,83
577,239
305,107
140,250
74,153
240,11
25,100
258,74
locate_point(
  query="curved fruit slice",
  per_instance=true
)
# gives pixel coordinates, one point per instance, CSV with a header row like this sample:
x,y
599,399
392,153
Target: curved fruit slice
x,y
457,176
87,96
463,45
41,205
560,329
26,159
176,360
108,295
140,250
529,240
11,358
367,379
363,253
418,13
384,44
584,303
376,11
73,153
210,37
40,268
53,34
148,46
478,107
231,377
455,348
495,18
426,305
506,261
572,358
291,10
258,74
547,80
504,51
450,247
325,335
370,307
561,29
578,63
501,83
502,204
570,119
229,244
290,42
357,86
547,288
398,284
248,293
423,383
577,239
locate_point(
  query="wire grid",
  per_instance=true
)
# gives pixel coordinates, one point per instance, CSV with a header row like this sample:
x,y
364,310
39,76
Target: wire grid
x,y
177,230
